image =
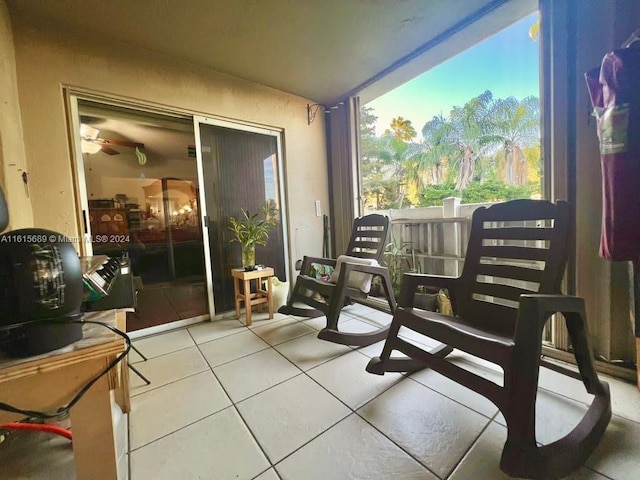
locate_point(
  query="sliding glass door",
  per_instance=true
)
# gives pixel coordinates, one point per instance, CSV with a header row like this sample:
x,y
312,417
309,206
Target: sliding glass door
x,y
239,169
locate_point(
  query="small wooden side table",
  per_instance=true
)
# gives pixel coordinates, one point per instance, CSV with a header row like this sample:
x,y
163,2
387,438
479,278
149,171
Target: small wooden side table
x,y
259,297
45,382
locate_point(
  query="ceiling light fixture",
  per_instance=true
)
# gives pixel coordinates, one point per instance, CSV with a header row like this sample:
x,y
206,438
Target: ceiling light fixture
x,y
88,133
90,147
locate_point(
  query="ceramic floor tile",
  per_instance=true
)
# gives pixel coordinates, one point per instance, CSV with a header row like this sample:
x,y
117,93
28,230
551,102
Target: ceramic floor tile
x,y
482,462
217,447
353,384
373,350
625,398
352,449
254,373
317,323
556,416
268,475
278,332
208,331
480,365
455,391
288,415
259,319
355,326
158,345
368,315
358,309
231,347
564,385
166,409
431,427
617,455
309,351
168,368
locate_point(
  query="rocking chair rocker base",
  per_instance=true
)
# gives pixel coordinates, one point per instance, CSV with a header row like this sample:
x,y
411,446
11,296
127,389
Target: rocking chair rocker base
x,y
562,457
354,339
402,364
300,312
335,336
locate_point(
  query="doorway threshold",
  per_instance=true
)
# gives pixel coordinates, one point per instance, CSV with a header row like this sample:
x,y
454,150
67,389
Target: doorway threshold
x,y
166,327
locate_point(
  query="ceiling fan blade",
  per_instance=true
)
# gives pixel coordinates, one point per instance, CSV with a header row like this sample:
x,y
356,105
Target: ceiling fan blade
x,y
109,150
120,143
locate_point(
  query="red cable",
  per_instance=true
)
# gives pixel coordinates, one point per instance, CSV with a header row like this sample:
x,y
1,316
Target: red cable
x,y
39,427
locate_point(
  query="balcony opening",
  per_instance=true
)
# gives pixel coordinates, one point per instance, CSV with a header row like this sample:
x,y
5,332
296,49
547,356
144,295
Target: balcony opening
x,y
463,134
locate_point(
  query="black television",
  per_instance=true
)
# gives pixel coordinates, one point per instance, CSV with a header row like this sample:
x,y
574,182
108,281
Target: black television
x,y
41,290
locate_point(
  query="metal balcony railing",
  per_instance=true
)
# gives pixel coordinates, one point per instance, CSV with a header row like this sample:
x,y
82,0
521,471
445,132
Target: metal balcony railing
x,y
434,240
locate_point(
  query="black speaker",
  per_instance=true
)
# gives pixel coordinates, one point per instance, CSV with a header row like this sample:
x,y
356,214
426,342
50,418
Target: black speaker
x,y
40,283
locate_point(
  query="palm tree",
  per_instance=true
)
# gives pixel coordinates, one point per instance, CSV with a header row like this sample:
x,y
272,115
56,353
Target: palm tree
x,y
395,155
431,156
402,129
516,126
471,132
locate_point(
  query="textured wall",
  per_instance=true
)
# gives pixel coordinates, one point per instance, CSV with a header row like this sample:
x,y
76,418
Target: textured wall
x,y
12,152
48,60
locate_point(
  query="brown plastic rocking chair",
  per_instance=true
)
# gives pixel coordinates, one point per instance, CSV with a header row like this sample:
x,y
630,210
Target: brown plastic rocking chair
x,y
351,279
509,288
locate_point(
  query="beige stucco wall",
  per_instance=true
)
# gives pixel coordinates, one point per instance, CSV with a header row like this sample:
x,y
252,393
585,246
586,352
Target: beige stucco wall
x,y
47,60
12,151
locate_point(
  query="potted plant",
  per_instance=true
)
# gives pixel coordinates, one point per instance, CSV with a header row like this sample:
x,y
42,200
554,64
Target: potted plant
x,y
252,229
399,261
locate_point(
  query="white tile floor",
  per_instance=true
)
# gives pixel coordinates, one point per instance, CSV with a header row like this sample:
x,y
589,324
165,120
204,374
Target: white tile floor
x,y
273,402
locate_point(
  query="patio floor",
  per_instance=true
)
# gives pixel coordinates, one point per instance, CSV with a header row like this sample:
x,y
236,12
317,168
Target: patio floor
x,y
272,401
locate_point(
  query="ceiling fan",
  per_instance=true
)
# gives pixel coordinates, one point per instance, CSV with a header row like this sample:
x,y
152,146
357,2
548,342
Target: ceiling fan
x,y
91,143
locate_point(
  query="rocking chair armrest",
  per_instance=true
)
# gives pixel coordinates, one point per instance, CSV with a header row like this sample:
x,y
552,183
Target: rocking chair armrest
x,y
307,261
411,282
533,314
542,306
536,309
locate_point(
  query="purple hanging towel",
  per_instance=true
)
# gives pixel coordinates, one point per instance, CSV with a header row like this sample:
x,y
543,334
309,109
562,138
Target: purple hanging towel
x,y
615,94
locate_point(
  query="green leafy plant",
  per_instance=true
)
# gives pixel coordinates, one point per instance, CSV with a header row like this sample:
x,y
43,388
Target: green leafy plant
x,y
321,271
397,261
253,229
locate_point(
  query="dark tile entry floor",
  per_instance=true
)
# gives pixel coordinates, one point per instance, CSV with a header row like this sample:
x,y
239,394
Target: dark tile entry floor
x,y
166,303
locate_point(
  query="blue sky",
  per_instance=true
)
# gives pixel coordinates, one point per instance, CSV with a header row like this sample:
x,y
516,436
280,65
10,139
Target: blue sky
x,y
506,64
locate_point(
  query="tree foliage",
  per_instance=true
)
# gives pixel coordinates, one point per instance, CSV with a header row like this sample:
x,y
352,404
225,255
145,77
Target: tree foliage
x,y
485,150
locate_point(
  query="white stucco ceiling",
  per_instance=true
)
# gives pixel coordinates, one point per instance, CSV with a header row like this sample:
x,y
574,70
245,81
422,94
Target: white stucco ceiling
x,y
318,49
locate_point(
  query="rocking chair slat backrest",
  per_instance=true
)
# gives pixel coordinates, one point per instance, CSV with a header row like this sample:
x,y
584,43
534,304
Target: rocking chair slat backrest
x,y
515,248
369,236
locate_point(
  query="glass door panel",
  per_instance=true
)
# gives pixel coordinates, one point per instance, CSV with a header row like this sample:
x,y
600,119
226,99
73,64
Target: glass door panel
x,y
138,182
239,170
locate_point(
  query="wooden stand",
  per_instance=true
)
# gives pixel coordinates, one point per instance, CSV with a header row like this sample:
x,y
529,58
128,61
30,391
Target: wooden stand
x,y
259,297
